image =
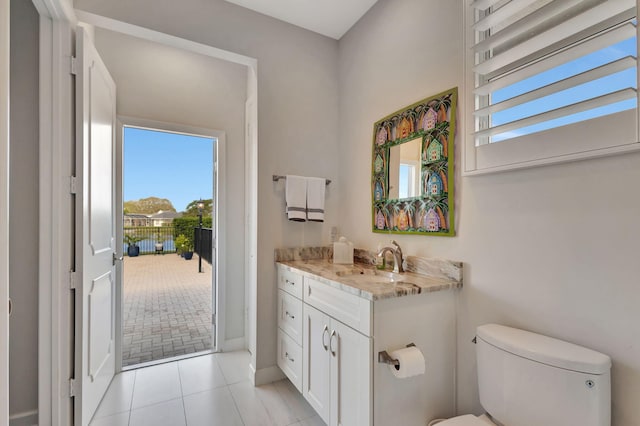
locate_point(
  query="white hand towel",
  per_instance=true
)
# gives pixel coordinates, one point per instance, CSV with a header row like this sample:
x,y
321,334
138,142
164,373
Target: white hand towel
x,y
296,198
315,199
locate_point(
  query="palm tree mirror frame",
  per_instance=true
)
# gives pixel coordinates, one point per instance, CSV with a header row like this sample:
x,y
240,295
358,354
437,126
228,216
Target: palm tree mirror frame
x,y
433,120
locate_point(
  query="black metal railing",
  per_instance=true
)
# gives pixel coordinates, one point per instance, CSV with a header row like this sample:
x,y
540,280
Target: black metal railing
x,y
148,236
203,243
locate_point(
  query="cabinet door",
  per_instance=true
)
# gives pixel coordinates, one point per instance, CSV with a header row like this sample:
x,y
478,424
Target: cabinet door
x,y
351,384
316,360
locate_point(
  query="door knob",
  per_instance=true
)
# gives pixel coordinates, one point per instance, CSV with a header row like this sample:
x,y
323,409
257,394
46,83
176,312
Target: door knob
x,y
116,258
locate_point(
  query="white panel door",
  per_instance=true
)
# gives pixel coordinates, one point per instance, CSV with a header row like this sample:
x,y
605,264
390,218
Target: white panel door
x,y
316,361
351,384
95,229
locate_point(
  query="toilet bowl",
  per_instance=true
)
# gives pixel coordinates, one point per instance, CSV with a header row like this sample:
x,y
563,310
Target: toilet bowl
x,y
467,420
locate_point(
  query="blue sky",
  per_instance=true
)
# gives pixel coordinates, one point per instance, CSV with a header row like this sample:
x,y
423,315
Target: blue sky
x,y
579,93
167,165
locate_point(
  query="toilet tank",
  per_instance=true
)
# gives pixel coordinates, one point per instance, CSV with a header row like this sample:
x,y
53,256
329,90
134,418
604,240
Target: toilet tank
x,y
526,379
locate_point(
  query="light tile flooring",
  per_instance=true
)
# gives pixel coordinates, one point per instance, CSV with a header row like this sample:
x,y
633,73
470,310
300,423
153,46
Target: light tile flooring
x,y
209,390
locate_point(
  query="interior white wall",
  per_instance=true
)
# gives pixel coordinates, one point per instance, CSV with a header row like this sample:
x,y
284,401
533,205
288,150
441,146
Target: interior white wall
x,y
551,249
297,118
23,212
161,83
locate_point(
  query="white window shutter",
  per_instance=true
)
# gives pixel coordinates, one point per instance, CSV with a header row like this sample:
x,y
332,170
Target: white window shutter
x,y
524,51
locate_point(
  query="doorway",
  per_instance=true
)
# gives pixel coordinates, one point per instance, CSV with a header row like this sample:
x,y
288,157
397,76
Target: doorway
x,y
60,349
168,289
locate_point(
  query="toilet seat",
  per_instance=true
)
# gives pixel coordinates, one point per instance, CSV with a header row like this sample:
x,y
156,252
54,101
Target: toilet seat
x,y
467,420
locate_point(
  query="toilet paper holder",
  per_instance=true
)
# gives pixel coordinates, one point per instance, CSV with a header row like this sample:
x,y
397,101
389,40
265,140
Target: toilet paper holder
x,y
385,358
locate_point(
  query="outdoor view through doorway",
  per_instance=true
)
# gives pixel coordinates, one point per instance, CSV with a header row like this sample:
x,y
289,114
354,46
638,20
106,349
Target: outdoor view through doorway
x,y
168,283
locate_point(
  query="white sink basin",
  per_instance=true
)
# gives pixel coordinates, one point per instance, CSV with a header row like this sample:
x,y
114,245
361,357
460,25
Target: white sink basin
x,y
374,276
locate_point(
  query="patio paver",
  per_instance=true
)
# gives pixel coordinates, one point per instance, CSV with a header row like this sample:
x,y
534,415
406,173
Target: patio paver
x,y
167,308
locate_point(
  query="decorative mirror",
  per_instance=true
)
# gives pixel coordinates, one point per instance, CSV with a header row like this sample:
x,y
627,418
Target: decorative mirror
x,y
412,168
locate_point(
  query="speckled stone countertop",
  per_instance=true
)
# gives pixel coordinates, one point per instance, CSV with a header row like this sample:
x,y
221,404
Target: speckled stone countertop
x,y
364,280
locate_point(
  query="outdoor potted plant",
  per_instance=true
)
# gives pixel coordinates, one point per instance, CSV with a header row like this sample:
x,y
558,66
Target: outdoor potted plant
x,y
180,242
188,249
132,240
159,243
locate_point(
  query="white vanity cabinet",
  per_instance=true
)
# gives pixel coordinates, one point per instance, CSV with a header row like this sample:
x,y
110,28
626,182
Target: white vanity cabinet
x,y
336,366
289,345
336,369
322,348
329,337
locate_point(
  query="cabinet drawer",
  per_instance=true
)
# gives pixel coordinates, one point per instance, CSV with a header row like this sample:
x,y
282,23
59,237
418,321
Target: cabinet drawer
x,y
290,359
290,315
290,281
347,308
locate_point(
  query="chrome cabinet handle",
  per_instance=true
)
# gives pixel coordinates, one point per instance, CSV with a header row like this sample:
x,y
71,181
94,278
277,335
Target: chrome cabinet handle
x,y
333,334
289,315
325,331
286,355
10,307
290,282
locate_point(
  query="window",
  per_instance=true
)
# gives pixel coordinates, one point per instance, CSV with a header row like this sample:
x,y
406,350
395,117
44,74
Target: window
x,y
550,80
409,184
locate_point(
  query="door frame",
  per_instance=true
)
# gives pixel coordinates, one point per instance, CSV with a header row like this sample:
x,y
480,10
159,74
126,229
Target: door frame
x,y
56,235
219,196
4,211
55,341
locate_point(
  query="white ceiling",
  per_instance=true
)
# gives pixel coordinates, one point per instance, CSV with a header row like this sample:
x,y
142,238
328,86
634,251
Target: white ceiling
x,y
331,18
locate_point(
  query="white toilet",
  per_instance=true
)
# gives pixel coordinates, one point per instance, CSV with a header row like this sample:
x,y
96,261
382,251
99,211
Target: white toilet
x,y
526,379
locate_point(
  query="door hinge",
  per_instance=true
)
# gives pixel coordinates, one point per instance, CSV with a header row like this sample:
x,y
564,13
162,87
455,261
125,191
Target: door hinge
x,y
74,66
73,184
73,280
72,388
213,319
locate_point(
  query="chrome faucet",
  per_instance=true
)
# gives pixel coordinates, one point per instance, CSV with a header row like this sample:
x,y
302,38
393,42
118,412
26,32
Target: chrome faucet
x,y
397,256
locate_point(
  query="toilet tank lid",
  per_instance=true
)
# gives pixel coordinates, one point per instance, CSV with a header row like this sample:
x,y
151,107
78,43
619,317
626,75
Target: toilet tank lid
x,y
543,349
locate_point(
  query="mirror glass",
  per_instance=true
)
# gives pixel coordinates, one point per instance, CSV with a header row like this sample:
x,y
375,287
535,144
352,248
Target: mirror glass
x,y
404,169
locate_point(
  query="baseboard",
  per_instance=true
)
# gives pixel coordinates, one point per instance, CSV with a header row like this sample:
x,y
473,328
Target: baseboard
x,y
252,374
236,344
266,375
28,418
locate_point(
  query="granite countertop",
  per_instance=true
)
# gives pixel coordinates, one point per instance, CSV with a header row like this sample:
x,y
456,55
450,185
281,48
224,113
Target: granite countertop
x,y
366,281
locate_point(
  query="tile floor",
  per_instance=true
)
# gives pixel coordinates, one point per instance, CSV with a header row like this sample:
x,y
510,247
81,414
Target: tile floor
x,y
209,390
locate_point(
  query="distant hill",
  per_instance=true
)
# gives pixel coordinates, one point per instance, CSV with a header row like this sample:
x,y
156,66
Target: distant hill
x,y
148,205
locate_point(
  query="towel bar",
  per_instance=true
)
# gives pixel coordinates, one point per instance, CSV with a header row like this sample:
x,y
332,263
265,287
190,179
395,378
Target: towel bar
x,y
279,177
385,358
